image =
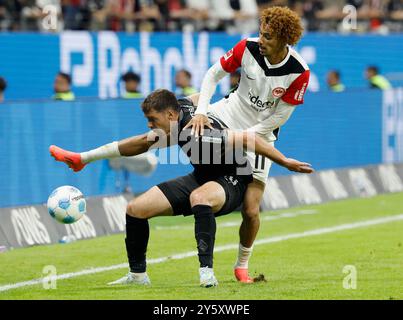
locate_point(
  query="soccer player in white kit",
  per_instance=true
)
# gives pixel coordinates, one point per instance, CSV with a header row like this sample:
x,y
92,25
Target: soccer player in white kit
x,y
274,78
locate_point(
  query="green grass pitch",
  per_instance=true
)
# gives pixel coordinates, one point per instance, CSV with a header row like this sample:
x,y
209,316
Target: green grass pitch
x,y
302,266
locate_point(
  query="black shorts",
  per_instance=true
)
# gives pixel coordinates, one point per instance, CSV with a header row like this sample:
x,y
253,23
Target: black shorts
x,y
178,192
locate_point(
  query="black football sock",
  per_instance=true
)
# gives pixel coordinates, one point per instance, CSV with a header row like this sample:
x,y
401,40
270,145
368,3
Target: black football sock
x,y
205,229
137,234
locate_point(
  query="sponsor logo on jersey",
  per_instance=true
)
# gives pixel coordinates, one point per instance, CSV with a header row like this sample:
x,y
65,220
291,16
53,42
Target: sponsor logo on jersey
x,y
258,104
231,179
278,92
299,94
191,110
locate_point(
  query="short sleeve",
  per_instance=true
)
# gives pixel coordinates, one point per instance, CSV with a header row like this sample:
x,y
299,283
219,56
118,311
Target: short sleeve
x,y
295,93
232,60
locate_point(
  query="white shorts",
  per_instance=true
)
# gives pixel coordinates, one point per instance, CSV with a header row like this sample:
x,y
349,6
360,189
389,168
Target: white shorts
x,y
260,165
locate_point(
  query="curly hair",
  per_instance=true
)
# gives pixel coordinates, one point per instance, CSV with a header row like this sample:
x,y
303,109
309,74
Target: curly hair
x,y
282,23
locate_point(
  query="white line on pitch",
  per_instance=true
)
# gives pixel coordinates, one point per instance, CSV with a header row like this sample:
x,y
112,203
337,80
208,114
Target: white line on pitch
x,y
314,232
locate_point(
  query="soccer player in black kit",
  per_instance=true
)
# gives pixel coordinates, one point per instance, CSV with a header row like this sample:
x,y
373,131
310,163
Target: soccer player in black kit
x,y
215,187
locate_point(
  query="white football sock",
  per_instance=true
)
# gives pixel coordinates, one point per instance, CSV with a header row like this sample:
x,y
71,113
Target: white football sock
x,y
139,275
243,257
108,151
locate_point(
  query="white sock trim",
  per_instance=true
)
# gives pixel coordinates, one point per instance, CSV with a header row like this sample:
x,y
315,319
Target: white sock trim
x,y
241,247
107,151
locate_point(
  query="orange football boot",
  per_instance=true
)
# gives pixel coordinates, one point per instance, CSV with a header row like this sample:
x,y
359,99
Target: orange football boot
x,y
72,159
242,275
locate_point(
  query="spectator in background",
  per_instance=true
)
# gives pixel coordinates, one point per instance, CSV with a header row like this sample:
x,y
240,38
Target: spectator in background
x,y
108,14
3,86
128,15
144,16
201,12
116,11
333,81
234,80
245,15
309,11
376,81
3,15
72,15
222,16
61,87
30,14
395,14
183,80
372,11
156,13
177,14
263,4
10,13
132,82
395,9
94,17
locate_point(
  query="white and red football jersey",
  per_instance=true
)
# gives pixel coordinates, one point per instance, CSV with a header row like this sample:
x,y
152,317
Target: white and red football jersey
x,y
263,87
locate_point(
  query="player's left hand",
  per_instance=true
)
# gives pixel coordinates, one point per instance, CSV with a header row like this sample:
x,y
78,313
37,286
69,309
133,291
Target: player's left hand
x,y
298,166
197,123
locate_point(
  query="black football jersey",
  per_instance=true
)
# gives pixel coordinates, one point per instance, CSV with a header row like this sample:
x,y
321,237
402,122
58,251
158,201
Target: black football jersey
x,y
210,154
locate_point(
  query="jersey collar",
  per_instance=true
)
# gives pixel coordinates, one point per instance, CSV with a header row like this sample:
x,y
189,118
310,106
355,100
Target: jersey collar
x,y
280,64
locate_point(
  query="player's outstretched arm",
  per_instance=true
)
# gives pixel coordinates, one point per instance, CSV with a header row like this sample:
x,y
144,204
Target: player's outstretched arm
x,y
139,144
252,142
124,148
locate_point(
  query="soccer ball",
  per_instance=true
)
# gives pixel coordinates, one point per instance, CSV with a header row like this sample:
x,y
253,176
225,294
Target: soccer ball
x,y
66,204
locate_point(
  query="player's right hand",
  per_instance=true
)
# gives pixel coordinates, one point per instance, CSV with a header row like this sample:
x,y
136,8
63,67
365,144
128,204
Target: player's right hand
x,y
298,166
72,159
197,123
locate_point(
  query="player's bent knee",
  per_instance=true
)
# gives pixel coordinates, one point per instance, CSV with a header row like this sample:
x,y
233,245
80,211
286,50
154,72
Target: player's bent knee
x,y
199,198
133,210
251,213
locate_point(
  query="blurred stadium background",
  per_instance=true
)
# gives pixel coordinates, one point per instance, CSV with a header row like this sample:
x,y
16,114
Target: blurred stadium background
x,y
97,41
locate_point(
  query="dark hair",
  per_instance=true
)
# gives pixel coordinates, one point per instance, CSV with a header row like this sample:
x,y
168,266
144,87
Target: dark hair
x,y
3,84
131,76
160,100
65,76
187,73
336,73
373,69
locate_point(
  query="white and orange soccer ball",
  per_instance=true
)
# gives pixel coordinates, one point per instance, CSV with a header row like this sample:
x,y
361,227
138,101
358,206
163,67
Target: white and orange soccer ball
x,y
66,204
